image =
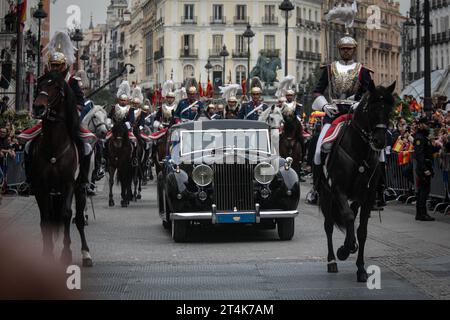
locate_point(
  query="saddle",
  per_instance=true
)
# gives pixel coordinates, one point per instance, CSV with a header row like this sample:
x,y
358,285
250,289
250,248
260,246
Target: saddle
x,y
333,132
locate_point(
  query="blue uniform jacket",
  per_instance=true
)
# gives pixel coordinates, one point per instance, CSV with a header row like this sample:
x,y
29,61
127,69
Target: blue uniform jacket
x,y
188,114
248,107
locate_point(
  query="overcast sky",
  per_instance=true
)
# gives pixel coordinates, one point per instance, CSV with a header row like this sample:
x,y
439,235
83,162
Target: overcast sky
x,y
60,17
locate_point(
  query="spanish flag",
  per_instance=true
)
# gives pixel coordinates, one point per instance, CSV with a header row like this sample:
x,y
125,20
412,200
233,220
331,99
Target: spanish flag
x,y
200,88
23,10
404,156
209,89
398,145
244,87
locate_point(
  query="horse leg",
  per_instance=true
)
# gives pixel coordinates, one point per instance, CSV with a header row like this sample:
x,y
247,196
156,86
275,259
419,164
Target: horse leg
x,y
123,190
361,274
66,255
349,222
139,196
112,171
332,265
80,204
46,227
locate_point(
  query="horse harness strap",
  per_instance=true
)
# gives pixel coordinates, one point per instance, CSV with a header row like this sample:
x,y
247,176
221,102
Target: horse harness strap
x,y
53,160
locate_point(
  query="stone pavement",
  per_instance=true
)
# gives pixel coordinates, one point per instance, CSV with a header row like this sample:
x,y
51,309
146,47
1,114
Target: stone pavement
x,y
135,258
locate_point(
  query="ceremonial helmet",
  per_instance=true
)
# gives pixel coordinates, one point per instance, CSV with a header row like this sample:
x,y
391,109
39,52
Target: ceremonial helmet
x,y
60,50
232,99
347,42
170,95
256,90
192,90
290,92
146,108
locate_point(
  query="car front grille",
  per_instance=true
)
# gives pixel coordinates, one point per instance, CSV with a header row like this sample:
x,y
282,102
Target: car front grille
x,y
233,187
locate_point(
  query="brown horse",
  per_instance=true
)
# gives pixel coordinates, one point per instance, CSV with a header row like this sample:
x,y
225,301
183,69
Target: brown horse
x,y
120,152
54,159
159,152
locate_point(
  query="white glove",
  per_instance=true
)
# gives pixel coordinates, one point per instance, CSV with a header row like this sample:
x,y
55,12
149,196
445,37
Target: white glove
x,y
128,125
331,110
141,128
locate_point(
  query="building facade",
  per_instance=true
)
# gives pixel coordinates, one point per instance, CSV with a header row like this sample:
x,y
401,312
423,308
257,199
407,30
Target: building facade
x,y
439,40
188,33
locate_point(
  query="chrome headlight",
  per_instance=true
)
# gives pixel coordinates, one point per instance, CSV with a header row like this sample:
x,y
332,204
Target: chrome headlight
x,y
264,173
202,175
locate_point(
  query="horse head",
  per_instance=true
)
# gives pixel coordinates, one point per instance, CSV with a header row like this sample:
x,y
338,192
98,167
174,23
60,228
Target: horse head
x,y
273,117
52,91
372,115
96,121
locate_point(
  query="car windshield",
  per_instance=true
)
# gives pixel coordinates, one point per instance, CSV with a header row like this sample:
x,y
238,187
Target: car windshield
x,y
210,140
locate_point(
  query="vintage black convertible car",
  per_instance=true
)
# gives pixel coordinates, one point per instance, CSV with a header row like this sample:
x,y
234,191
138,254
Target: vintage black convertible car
x,y
226,172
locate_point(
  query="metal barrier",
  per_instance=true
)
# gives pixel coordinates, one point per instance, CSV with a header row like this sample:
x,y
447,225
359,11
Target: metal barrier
x,y
15,172
440,187
399,179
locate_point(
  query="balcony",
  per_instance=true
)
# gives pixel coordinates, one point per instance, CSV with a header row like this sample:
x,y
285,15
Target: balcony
x,y
216,20
308,24
159,54
241,20
433,38
7,27
439,38
369,43
159,23
188,20
239,54
385,46
307,55
215,53
269,20
439,4
270,53
188,53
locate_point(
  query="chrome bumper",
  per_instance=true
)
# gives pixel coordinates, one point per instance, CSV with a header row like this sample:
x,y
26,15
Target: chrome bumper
x,y
214,216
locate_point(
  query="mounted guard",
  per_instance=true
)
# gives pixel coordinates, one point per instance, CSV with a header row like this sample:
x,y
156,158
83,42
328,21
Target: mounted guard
x,y
253,109
61,55
346,81
188,109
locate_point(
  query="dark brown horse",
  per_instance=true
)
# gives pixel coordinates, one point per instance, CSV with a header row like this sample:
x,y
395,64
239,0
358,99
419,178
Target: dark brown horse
x,y
159,152
137,163
54,159
120,152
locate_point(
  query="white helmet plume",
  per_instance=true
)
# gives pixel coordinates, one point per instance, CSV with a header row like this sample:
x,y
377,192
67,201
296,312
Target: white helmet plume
x,y
229,90
285,85
61,43
167,87
124,88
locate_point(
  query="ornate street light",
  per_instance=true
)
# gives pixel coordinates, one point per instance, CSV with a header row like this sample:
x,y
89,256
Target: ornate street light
x,y
208,67
249,34
224,53
85,58
39,14
77,37
286,6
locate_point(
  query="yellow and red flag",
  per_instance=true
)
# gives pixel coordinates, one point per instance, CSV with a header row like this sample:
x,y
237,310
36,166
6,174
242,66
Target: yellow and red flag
x,y
209,89
244,87
200,88
23,10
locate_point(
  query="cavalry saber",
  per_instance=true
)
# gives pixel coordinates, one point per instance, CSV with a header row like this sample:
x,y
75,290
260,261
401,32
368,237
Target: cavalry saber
x,y
124,69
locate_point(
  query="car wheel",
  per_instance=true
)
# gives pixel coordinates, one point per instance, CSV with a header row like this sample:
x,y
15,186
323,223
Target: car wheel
x,y
286,228
179,230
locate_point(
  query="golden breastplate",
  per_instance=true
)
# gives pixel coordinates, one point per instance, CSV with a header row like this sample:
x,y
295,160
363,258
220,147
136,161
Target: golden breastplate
x,y
344,83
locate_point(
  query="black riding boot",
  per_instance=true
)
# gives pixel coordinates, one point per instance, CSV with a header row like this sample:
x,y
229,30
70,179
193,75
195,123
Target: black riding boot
x,y
84,173
27,163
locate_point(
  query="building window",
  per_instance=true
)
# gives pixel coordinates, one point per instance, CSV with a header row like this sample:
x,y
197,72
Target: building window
x,y
317,46
188,71
269,42
309,15
189,12
299,13
269,12
149,54
298,43
315,16
217,43
304,45
217,67
241,74
241,12
240,43
217,12
188,42
310,45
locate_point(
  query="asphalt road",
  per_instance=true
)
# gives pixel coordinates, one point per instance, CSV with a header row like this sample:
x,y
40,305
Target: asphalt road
x,y
135,258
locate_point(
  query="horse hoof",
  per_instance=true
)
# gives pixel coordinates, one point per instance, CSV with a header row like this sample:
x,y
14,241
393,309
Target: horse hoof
x,y
151,178
111,203
139,197
342,253
87,263
332,267
361,276
354,249
124,204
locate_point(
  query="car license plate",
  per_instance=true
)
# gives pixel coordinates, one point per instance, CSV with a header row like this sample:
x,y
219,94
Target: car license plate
x,y
236,217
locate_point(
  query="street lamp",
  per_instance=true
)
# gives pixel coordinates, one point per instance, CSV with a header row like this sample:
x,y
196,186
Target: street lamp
x,y
85,59
90,74
286,6
77,36
39,14
224,53
248,34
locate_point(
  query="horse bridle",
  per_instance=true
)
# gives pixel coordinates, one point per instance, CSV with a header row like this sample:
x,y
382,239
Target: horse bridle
x,y
367,136
96,125
49,113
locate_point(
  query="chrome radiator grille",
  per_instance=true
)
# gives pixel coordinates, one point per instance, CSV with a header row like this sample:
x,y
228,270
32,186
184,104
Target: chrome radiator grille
x,y
233,186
